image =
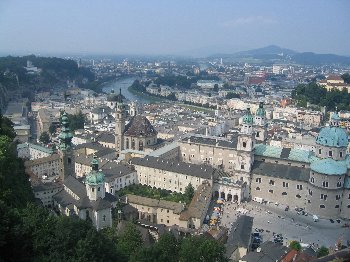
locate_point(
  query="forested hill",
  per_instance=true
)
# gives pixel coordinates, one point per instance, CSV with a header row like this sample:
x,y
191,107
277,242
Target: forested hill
x,y
317,95
54,71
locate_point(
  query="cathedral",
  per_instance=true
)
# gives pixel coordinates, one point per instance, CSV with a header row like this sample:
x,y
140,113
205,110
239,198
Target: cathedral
x,y
137,135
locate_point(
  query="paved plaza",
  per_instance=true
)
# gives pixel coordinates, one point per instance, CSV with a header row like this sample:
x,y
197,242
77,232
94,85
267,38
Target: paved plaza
x,y
292,226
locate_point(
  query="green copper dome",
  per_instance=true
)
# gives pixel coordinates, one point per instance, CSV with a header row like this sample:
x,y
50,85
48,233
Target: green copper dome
x,y
261,110
333,137
65,135
328,167
248,117
95,177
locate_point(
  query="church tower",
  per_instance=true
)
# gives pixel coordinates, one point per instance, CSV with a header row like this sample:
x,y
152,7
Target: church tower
x,y
260,123
120,115
95,182
245,147
66,153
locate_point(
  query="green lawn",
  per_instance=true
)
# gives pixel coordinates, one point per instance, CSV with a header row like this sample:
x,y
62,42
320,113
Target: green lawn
x,y
155,193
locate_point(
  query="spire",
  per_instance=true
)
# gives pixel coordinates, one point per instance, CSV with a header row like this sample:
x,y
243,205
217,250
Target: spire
x,y
94,163
260,111
248,118
65,135
120,96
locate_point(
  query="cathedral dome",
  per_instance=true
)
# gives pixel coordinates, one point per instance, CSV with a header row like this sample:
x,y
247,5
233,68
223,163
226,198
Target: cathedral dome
x,y
139,126
328,167
248,117
333,137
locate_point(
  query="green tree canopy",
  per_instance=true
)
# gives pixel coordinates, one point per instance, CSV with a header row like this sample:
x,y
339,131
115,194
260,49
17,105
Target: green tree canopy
x,y
189,192
130,240
44,138
295,245
322,251
346,78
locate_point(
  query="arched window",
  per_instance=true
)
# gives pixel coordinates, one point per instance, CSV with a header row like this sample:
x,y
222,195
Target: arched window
x,y
104,217
244,144
127,143
133,144
141,145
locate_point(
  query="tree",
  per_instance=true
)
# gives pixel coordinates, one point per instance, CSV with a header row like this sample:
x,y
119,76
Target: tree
x,y
52,128
77,121
295,245
6,127
322,251
189,192
199,248
44,138
346,78
232,95
130,240
216,88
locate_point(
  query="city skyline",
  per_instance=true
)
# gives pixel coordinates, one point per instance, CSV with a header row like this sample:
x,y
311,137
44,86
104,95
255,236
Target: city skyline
x,y
190,28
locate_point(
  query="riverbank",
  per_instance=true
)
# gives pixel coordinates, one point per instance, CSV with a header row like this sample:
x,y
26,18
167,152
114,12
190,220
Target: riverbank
x,y
152,99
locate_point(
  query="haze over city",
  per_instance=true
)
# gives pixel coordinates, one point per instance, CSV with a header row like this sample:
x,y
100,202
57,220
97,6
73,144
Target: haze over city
x,y
195,28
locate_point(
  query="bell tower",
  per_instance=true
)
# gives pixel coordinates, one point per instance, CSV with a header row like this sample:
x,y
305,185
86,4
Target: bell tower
x,y
260,123
120,115
67,163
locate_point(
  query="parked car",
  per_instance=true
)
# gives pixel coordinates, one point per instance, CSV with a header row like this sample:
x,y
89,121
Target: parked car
x,y
332,221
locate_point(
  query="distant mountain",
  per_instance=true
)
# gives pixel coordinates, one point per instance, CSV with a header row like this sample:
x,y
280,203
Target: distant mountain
x,y
273,53
268,50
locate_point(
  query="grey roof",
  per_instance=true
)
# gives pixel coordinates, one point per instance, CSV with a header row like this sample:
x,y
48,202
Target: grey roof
x,y
46,186
100,204
75,186
270,252
213,141
64,198
139,126
106,137
114,170
102,109
240,234
202,171
146,201
281,171
91,145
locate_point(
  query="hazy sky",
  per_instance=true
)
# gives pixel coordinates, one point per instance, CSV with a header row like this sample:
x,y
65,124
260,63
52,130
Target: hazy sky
x,y
172,27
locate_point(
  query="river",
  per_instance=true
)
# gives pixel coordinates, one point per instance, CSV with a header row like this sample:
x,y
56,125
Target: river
x,y
124,84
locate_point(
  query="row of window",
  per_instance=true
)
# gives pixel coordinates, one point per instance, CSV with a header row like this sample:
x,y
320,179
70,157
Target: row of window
x,y
330,153
284,184
325,184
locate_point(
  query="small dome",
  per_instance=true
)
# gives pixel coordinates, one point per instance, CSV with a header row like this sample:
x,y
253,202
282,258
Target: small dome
x,y
333,137
95,177
335,116
248,117
328,167
261,110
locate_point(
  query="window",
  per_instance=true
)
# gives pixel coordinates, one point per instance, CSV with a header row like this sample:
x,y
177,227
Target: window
x,y
244,144
341,154
272,182
349,196
285,184
93,189
161,220
167,210
258,188
258,180
323,196
257,134
320,151
300,187
337,197
242,166
339,184
104,217
284,193
298,196
98,189
325,183
322,206
140,145
336,206
167,221
330,153
348,206
69,160
271,191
